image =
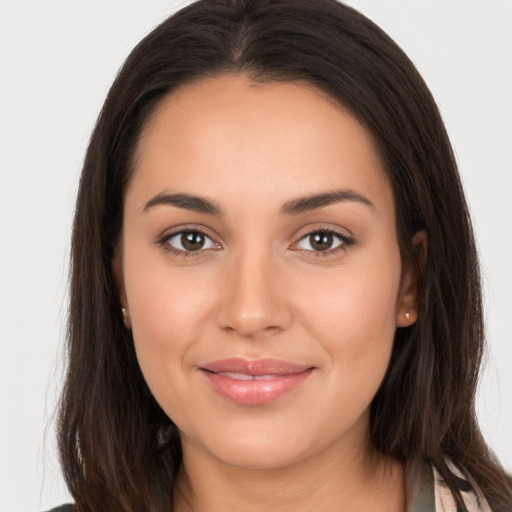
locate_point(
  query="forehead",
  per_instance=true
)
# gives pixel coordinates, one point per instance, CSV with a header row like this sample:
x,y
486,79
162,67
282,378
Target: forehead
x,y
227,136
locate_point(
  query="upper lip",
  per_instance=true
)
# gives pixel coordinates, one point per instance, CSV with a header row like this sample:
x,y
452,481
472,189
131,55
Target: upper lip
x,y
255,366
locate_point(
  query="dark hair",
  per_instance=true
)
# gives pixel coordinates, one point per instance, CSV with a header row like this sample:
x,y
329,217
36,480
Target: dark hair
x,y
119,450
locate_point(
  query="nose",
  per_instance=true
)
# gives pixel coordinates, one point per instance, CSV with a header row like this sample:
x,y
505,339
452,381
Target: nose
x,y
253,299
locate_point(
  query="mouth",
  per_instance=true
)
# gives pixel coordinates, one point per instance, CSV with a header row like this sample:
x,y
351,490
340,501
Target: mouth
x,y
254,382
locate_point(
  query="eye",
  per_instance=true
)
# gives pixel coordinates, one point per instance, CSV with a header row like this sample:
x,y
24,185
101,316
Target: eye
x,y
324,242
184,242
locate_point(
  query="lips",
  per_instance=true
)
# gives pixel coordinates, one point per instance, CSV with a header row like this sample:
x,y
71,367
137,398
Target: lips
x,y
254,382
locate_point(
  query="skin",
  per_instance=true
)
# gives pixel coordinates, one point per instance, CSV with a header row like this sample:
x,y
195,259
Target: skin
x,y
258,288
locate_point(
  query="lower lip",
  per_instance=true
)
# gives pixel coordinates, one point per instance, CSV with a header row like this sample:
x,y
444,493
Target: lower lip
x,y
255,392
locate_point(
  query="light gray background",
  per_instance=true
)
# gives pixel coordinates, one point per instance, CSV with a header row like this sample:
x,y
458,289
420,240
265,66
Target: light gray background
x,y
57,61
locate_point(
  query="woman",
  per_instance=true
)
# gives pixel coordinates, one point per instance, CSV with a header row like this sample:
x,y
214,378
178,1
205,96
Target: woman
x,y
275,298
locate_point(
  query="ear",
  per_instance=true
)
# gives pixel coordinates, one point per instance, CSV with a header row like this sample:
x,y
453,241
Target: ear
x,y
117,270
409,298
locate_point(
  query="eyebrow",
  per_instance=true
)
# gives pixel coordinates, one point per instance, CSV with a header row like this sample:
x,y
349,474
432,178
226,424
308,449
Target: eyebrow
x,y
294,207
185,201
316,201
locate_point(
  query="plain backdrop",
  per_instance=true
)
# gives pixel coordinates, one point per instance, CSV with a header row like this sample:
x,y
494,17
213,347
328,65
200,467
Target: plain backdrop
x,y
57,61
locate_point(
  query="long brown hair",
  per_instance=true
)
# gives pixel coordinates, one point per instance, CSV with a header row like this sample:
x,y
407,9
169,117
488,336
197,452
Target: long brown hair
x,y
119,450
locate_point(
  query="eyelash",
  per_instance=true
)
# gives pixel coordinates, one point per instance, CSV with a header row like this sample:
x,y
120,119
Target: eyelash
x,y
346,242
162,242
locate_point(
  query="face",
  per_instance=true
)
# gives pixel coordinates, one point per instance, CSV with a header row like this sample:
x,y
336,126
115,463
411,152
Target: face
x,y
263,317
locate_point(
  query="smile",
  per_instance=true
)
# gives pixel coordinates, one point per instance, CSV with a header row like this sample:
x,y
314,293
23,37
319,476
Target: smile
x,y
255,382
245,376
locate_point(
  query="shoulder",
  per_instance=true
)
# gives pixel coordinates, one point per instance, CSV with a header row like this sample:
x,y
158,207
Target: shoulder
x,y
62,508
472,496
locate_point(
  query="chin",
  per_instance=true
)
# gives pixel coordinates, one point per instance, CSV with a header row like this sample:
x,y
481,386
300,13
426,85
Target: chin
x,y
261,450
262,457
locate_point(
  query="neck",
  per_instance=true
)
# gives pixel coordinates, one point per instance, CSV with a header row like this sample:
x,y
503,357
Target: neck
x,y
357,478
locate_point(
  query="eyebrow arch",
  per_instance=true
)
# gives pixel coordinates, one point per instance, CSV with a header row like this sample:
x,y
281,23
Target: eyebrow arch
x,y
293,207
315,201
185,201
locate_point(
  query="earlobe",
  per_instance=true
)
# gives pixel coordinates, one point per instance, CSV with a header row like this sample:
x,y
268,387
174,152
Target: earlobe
x,y
117,270
409,300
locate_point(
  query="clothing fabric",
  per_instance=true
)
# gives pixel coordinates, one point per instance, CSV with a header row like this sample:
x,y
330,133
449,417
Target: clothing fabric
x,y
433,495
430,495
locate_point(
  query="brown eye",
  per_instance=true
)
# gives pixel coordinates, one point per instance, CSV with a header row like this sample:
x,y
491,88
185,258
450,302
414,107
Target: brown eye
x,y
324,241
190,241
321,241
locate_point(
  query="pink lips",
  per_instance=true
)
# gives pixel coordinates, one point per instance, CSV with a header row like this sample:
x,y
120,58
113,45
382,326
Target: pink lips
x,y
254,382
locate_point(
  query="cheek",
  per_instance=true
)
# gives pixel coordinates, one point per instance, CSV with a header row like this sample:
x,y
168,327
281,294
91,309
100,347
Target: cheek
x,y
356,302
167,311
353,317
166,307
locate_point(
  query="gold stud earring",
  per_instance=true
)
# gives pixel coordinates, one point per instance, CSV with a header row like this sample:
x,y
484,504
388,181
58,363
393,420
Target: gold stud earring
x,y
126,318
